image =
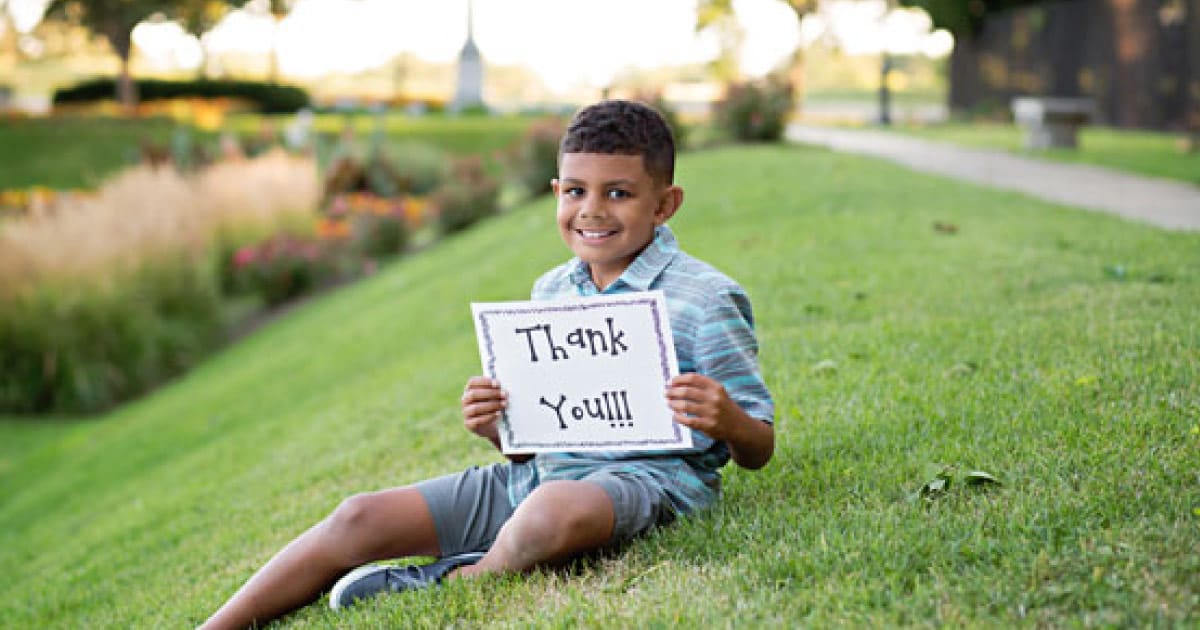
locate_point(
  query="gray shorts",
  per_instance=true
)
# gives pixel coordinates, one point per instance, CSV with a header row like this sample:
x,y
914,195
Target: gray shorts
x,y
470,507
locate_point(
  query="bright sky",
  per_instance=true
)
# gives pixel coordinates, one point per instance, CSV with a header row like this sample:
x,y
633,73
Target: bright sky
x,y
566,42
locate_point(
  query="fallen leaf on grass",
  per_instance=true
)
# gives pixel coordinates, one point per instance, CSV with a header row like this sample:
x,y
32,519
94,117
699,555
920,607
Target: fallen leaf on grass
x,y
962,368
824,368
979,478
945,228
942,481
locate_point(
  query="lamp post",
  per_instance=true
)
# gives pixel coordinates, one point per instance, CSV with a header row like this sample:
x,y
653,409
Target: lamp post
x,y
885,94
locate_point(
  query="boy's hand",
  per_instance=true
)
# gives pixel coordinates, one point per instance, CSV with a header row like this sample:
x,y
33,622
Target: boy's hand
x,y
482,403
702,403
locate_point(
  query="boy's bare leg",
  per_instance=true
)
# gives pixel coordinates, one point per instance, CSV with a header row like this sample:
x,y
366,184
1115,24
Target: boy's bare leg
x,y
364,528
560,519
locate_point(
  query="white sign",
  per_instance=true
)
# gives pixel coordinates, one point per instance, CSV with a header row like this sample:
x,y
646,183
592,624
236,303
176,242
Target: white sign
x,y
583,374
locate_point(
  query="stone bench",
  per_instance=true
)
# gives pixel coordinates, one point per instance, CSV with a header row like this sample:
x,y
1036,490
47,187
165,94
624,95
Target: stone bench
x,y
1051,122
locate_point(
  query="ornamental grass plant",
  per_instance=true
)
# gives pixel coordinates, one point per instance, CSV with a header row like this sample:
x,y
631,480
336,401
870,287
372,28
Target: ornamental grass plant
x,y
108,294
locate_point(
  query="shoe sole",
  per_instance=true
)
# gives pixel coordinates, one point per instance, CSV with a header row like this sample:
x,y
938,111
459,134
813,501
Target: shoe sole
x,y
335,595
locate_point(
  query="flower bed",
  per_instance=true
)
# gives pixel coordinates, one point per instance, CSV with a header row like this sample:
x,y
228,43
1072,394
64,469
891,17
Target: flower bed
x,y
104,295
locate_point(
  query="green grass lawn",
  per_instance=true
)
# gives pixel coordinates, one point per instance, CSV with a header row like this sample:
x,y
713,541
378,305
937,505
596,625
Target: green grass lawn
x,y
80,152
1152,153
73,152
1055,349
458,135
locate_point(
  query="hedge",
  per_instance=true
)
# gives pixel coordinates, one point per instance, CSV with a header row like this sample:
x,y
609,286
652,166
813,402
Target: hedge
x,y
270,98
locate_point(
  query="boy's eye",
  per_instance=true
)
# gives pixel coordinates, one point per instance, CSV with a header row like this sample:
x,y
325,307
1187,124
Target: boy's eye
x,y
617,193
574,191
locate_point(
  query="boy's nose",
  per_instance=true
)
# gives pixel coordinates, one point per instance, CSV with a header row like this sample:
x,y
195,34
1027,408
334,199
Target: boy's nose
x,y
591,208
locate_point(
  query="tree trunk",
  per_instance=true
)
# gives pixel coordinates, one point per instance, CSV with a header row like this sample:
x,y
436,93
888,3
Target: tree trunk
x,y
120,37
796,77
1191,119
1131,84
273,60
127,94
964,73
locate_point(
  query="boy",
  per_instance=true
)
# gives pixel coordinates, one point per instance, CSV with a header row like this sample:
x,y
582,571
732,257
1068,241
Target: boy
x,y
615,194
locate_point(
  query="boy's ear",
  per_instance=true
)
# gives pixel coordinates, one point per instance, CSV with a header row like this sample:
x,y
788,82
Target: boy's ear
x,y
669,201
554,185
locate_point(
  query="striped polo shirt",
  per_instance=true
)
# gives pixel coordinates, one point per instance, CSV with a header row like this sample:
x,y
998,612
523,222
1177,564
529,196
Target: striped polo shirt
x,y
713,327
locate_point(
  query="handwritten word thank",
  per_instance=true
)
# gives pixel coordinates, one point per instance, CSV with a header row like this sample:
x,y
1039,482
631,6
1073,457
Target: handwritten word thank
x,y
597,342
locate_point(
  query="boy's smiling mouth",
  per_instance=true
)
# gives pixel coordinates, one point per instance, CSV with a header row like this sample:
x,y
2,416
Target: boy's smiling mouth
x,y
594,235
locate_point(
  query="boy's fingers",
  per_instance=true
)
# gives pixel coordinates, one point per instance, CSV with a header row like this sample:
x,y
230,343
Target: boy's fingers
x,y
476,422
477,382
481,394
482,408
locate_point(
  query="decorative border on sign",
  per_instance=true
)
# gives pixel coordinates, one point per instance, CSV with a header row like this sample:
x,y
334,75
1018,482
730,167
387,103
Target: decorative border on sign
x,y
664,363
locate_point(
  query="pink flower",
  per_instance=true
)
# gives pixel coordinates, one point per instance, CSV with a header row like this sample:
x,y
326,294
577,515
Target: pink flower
x,y
244,256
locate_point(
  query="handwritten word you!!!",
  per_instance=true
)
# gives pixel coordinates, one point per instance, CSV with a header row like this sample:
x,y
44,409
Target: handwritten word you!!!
x,y
611,406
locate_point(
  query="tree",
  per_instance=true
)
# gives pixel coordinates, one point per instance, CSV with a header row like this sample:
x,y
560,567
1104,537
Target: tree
x,y
9,36
719,15
197,17
278,9
113,19
964,20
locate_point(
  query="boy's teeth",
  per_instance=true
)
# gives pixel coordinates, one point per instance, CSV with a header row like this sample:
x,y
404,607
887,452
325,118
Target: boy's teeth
x,y
592,234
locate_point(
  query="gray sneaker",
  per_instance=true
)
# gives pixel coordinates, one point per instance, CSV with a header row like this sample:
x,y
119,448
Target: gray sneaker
x,y
373,579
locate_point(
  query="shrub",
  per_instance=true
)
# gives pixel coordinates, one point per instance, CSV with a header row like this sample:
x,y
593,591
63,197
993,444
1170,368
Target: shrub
x,y
284,267
268,98
105,295
86,348
470,195
535,156
755,111
410,168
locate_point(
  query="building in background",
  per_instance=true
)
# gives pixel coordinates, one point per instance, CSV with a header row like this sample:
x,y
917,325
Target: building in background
x,y
468,93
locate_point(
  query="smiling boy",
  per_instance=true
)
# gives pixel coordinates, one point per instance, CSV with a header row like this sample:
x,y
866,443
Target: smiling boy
x,y
615,194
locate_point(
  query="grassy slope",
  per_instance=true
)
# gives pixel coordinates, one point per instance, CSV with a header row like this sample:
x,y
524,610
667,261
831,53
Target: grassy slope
x,y
1150,153
1085,403
67,152
459,135
70,152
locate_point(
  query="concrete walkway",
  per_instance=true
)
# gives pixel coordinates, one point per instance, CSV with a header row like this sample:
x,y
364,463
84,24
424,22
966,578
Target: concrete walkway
x,y
1162,202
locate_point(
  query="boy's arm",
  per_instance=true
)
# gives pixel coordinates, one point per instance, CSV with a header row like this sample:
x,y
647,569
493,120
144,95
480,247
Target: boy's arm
x,y
702,403
482,403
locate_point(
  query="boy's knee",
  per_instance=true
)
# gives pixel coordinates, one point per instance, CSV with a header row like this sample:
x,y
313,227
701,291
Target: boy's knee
x,y
351,515
560,519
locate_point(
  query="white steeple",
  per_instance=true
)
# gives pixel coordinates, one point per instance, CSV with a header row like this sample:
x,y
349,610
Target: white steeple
x,y
469,91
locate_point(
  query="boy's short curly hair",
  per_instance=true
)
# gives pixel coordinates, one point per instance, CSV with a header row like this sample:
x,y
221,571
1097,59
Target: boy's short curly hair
x,y
618,127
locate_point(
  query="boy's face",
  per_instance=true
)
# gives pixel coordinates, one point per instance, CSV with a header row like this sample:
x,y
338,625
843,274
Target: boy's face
x,y
608,207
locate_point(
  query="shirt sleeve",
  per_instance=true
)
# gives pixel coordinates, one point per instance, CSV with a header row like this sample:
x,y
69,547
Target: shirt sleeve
x,y
727,351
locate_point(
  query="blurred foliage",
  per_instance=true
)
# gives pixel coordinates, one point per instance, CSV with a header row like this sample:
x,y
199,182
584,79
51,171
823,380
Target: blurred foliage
x,y
534,156
283,267
106,294
268,98
755,111
84,349
961,17
471,196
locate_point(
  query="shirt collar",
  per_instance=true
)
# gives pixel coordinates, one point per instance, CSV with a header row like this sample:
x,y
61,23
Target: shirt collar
x,y
641,273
